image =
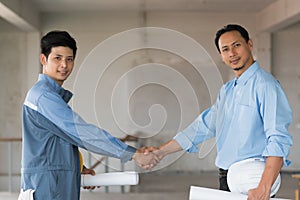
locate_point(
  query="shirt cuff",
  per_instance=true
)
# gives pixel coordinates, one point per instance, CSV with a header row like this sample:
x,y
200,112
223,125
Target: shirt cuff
x,y
128,153
185,143
274,149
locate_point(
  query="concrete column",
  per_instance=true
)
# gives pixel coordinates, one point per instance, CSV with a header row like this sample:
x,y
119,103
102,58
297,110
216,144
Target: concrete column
x,y
262,50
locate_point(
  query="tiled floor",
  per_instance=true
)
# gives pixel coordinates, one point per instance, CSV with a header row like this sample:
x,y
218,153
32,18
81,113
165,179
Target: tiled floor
x,y
171,186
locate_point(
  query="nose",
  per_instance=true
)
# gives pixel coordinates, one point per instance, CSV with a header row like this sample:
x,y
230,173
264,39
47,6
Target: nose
x,y
64,63
232,52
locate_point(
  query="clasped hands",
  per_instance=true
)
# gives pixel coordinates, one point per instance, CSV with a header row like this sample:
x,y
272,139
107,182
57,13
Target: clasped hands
x,y
148,157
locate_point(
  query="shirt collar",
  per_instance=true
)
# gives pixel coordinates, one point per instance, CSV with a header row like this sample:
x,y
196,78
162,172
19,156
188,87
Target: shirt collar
x,y
247,74
66,95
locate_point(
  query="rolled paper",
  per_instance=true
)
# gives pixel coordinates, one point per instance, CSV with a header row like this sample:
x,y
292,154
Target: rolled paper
x,y
202,193
110,179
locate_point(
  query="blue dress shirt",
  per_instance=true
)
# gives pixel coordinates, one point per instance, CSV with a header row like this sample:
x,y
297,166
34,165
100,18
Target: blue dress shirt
x,y
250,118
52,133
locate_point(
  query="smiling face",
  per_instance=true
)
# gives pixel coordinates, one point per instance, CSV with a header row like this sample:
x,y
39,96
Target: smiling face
x,y
59,63
236,52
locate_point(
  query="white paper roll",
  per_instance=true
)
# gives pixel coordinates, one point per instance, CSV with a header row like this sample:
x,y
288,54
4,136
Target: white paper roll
x,y
112,178
201,193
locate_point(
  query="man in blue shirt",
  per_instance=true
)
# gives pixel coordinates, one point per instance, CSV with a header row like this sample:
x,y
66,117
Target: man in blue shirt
x,y
249,119
52,131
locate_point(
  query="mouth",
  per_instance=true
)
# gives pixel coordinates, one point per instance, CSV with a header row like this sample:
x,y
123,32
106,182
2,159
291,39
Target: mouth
x,y
235,61
63,73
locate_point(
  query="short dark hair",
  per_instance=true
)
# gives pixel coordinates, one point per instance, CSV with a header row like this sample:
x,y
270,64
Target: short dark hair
x,y
57,38
231,27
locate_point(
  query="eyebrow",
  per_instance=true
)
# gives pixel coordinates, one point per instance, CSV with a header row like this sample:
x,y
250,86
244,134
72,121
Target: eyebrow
x,y
63,56
230,44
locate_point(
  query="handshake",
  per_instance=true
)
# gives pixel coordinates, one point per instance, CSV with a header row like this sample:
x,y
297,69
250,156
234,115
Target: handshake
x,y
148,157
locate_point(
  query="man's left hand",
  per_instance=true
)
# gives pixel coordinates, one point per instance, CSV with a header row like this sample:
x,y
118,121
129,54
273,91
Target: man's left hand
x,y
91,172
259,193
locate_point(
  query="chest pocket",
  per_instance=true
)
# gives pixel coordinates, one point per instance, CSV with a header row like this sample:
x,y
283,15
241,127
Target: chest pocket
x,y
246,117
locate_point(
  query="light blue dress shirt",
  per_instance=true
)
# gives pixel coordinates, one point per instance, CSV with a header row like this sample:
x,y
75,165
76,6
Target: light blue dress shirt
x,y
52,133
250,118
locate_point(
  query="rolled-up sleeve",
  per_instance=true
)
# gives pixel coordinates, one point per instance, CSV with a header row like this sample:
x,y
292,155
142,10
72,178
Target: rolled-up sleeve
x,y
277,116
278,148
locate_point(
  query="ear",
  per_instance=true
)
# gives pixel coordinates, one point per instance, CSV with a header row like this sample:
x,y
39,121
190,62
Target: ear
x,y
43,59
250,43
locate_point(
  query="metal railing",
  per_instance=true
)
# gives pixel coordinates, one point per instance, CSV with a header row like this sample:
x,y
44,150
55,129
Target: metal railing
x,y
10,174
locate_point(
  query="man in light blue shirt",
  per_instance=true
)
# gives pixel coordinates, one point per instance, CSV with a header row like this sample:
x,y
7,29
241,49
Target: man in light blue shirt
x,y
52,131
249,119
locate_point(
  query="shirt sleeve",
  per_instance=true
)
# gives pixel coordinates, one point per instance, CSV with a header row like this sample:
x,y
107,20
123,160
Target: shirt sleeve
x,y
201,129
80,133
277,116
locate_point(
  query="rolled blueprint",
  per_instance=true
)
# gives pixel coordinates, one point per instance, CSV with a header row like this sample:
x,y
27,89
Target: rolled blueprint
x,y
201,193
111,178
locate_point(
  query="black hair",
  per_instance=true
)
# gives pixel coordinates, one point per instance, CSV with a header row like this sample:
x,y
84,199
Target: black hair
x,y
231,27
55,39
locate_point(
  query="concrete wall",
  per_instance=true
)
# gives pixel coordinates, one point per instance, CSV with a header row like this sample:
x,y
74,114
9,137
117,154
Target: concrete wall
x,y
18,71
90,33
286,68
11,71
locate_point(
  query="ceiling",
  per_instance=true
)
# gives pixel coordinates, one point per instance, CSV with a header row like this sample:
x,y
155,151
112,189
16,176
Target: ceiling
x,y
25,14
152,5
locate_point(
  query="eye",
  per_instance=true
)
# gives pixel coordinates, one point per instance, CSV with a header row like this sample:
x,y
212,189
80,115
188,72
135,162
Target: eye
x,y
236,45
57,58
70,59
224,49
